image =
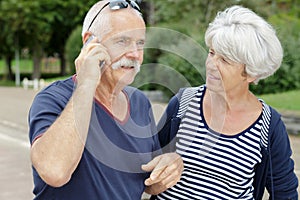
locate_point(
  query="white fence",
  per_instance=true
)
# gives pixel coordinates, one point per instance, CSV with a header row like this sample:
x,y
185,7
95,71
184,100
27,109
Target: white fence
x,y
35,84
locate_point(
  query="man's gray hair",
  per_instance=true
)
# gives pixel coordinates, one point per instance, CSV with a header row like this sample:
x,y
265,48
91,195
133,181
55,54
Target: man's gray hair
x,y
101,25
101,21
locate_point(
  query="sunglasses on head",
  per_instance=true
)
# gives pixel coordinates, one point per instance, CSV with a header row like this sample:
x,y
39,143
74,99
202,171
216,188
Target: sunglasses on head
x,y
117,5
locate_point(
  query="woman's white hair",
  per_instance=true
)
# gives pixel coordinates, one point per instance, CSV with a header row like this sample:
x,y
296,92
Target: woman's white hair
x,y
101,25
244,37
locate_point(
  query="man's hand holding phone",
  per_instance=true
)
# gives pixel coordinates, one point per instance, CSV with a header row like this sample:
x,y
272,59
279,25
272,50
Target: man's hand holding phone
x,y
91,61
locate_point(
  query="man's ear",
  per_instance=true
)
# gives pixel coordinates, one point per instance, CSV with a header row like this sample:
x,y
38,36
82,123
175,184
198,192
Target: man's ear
x,y
86,36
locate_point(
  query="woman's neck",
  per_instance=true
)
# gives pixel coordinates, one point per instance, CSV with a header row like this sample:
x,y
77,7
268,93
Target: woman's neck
x,y
230,114
230,101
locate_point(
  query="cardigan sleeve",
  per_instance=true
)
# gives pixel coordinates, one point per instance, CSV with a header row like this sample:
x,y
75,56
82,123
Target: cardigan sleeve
x,y
282,182
168,126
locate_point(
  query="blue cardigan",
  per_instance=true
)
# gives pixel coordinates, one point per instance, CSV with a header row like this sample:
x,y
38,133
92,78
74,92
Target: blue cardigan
x,y
275,172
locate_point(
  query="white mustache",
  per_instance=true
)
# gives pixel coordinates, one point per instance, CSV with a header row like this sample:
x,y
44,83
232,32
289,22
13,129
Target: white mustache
x,y
126,63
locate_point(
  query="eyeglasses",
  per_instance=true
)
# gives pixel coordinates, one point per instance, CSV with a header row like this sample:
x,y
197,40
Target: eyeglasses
x,y
117,5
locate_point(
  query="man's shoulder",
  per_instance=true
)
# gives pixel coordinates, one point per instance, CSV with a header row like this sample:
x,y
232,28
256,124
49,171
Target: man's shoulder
x,y
58,91
60,86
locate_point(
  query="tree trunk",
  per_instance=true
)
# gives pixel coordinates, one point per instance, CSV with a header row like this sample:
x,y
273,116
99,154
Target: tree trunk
x,y
63,70
37,58
8,74
149,10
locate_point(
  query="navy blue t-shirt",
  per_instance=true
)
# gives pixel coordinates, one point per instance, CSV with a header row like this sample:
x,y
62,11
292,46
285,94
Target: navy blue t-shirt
x,y
110,167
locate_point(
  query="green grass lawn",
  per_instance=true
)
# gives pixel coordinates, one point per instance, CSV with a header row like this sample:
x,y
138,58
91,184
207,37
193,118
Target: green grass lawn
x,y
26,66
48,65
284,102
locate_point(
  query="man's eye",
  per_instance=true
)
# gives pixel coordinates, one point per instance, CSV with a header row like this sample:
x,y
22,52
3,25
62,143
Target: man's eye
x,y
121,41
140,43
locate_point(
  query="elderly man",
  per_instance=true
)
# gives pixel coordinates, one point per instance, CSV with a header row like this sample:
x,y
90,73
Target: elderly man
x,y
93,136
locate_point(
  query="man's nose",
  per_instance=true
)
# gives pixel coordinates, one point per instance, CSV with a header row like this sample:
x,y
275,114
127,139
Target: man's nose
x,y
133,52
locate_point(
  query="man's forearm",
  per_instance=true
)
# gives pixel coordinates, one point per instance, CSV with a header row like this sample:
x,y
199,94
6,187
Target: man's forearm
x,y
57,153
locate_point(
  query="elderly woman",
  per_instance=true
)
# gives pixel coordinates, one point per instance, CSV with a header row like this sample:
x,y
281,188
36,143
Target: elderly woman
x,y
233,144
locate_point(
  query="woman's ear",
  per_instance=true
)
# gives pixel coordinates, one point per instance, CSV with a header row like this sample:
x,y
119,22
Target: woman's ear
x,y
250,79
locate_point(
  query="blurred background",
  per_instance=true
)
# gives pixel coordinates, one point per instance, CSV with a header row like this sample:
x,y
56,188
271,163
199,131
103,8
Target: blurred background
x,y
40,39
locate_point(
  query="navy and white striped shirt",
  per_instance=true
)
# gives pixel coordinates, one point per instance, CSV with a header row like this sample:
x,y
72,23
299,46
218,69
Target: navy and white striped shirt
x,y
216,166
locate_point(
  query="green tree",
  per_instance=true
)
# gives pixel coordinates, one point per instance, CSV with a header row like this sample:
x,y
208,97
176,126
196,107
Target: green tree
x,y
41,25
73,47
67,16
28,25
192,18
6,50
285,17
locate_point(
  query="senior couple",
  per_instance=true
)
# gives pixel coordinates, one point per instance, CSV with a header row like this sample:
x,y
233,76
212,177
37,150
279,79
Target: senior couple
x,y
94,137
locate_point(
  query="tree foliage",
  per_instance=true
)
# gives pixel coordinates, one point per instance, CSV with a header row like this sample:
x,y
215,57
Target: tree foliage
x,y
73,47
44,26
192,17
288,76
40,25
67,16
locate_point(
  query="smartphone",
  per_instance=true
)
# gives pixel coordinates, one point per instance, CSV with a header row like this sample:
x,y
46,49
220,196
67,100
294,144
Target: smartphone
x,y
88,40
102,62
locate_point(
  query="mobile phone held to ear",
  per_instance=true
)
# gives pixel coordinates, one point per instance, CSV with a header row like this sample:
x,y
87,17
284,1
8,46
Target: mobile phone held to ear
x,y
88,40
101,62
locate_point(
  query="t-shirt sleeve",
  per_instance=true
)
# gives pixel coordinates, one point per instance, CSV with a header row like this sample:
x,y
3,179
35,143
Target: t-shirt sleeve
x,y
46,107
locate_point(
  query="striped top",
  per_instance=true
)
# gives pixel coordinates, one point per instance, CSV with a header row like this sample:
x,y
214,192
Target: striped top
x,y
216,166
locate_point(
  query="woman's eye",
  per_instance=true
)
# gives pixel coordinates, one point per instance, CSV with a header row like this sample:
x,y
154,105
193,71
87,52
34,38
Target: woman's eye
x,y
226,61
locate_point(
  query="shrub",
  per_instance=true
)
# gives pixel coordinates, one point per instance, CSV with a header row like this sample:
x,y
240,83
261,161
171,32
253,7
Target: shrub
x,y
73,47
